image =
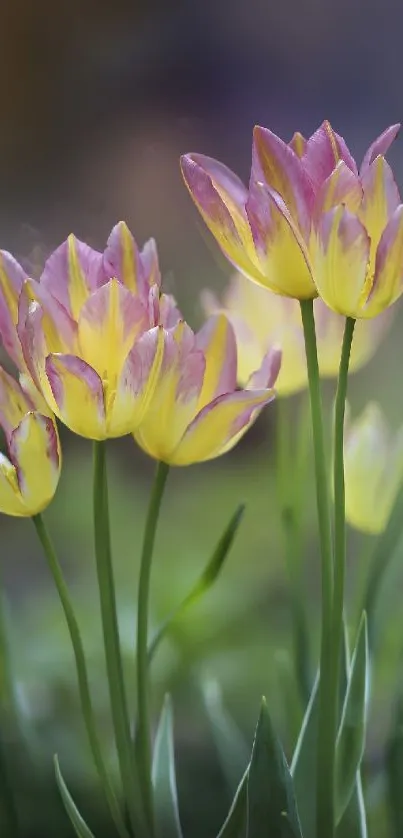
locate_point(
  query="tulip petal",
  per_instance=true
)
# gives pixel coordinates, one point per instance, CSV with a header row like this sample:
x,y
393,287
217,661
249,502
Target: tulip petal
x,y
341,255
13,403
219,426
35,449
59,328
12,278
283,171
150,264
322,153
220,198
10,498
78,395
169,314
216,340
72,271
388,280
137,271
137,383
379,146
266,376
109,322
176,395
281,250
341,187
381,198
298,144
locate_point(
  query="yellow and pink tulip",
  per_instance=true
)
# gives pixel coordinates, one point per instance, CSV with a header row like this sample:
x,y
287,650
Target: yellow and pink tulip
x,y
373,465
261,319
196,412
310,222
87,331
29,472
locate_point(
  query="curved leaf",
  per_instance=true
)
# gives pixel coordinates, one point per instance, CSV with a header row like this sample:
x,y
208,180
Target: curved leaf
x,y
272,809
164,780
235,823
351,734
80,827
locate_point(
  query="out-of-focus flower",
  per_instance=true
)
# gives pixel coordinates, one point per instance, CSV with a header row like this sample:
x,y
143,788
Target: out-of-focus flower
x,y
262,319
30,473
373,465
310,222
196,413
85,332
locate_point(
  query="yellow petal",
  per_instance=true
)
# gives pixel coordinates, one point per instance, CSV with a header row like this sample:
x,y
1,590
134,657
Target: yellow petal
x,y
174,402
10,498
77,394
340,259
36,449
219,426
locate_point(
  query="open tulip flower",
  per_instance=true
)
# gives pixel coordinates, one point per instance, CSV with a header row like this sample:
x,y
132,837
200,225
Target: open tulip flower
x,y
373,463
310,223
30,473
261,319
196,413
82,331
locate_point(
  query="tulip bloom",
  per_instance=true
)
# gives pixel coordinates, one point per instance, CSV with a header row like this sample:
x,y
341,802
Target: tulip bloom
x,y
30,473
310,222
196,413
82,332
261,319
373,465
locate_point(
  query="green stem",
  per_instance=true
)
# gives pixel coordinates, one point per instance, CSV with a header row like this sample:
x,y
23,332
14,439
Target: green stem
x,y
110,628
325,826
143,715
337,633
290,501
9,718
82,674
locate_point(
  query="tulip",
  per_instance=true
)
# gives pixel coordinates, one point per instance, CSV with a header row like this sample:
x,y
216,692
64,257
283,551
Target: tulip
x,y
261,319
373,465
30,472
86,332
310,222
196,413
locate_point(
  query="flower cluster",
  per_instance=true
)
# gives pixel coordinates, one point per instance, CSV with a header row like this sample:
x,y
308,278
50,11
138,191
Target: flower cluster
x,y
99,346
310,222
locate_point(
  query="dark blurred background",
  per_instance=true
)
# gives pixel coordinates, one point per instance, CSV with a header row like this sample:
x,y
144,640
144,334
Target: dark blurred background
x,y
98,100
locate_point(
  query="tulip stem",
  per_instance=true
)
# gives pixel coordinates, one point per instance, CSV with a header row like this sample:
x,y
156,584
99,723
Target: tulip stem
x,y
143,714
290,502
110,628
9,714
339,525
82,674
325,812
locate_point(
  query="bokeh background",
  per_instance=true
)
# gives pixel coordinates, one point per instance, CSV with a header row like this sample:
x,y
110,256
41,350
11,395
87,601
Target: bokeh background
x,y
98,100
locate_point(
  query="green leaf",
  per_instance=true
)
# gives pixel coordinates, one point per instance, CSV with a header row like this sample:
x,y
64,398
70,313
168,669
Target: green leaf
x,y
394,770
80,827
164,780
303,765
272,809
231,747
235,824
205,581
354,821
351,735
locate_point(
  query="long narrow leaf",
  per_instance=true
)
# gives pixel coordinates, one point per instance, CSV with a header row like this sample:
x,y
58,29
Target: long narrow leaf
x,y
80,827
204,582
272,808
351,734
303,765
235,823
164,779
231,746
